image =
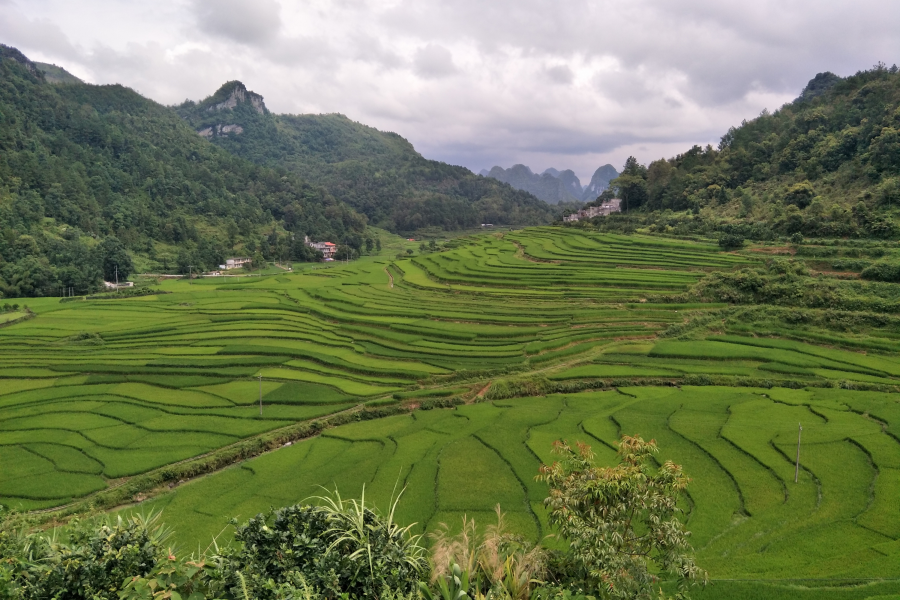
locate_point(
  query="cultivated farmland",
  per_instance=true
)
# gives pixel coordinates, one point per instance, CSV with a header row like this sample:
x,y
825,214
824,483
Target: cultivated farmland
x,y
95,393
749,519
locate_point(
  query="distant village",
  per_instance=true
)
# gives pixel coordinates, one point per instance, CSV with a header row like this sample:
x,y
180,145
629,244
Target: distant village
x,y
328,250
613,205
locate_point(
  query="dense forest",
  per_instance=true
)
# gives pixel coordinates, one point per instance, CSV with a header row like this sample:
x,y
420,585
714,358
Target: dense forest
x,y
90,175
824,165
378,173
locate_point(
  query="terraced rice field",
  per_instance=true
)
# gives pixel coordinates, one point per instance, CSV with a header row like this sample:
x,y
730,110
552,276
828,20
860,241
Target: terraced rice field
x,y
91,392
95,392
748,517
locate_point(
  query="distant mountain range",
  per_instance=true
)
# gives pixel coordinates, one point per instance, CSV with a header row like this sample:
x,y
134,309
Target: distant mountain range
x,y
554,186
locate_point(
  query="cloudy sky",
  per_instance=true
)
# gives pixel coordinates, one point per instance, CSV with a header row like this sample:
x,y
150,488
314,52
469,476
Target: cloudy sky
x,y
572,84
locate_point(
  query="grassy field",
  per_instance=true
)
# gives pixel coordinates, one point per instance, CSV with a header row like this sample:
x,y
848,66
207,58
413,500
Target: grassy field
x,y
93,393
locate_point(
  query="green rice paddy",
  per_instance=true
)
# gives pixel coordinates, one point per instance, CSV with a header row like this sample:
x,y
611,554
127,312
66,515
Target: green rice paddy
x,y
95,392
748,517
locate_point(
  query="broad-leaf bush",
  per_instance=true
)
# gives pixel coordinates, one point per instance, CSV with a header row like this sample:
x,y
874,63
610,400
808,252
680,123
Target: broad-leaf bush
x,y
341,549
622,523
91,562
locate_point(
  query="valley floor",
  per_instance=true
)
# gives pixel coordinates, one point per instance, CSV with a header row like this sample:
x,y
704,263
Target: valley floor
x,y
483,355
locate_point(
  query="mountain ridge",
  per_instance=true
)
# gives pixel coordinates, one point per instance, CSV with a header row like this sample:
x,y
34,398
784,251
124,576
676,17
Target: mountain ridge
x,y
378,173
552,185
91,172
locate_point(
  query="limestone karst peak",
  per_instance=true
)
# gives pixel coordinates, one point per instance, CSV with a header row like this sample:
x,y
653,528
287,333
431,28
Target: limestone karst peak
x,y
233,93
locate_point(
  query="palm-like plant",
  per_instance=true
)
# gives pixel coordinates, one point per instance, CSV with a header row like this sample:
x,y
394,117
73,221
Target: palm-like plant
x,y
361,533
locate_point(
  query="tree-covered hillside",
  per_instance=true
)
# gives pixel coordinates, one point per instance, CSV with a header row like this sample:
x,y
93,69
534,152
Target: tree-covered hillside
x,y
827,164
378,173
87,170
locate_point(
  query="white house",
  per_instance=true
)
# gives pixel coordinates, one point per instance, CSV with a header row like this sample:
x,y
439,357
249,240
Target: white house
x,y
610,206
236,263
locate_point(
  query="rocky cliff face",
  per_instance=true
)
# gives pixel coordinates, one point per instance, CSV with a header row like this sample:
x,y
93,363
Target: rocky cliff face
x,y
209,132
599,182
10,53
238,95
230,110
554,186
546,186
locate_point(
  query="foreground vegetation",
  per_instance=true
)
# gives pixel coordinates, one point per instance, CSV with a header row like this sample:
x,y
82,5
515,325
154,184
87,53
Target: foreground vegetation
x,y
345,549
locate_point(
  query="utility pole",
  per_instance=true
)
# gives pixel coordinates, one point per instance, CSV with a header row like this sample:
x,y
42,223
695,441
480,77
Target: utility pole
x,y
797,467
260,395
190,274
117,279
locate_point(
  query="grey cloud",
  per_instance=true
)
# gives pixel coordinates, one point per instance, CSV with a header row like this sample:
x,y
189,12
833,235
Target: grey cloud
x,y
38,35
478,83
144,68
724,50
306,52
561,74
433,62
245,21
371,49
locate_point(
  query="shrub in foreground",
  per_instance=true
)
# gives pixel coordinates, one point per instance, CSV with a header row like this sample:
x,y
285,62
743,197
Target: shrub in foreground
x,y
622,522
91,563
341,549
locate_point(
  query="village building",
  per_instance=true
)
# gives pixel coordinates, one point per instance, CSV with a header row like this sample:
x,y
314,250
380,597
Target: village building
x,y
235,263
327,249
605,209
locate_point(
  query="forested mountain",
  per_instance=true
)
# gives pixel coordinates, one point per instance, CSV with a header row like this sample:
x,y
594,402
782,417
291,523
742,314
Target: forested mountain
x,y
56,74
554,186
826,164
378,173
88,172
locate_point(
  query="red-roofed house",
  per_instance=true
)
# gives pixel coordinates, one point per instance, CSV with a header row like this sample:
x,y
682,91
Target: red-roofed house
x,y
326,248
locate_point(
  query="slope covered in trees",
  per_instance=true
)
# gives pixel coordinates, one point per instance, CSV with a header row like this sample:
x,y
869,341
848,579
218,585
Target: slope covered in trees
x,y
826,164
378,173
87,170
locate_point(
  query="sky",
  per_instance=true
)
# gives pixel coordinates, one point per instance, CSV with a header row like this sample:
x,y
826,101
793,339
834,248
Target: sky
x,y
570,85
